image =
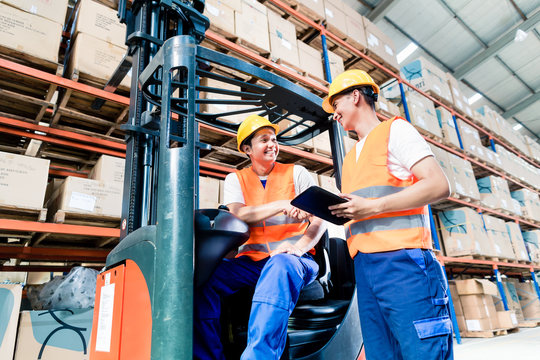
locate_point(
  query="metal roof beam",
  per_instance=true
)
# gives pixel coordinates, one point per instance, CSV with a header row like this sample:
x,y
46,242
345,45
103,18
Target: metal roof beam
x,y
522,105
496,46
380,10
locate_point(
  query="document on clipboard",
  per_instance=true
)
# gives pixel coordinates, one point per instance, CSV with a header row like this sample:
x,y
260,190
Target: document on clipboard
x,y
316,200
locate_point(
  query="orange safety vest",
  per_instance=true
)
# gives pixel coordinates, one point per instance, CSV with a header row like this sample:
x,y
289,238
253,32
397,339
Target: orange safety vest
x,y
267,235
369,177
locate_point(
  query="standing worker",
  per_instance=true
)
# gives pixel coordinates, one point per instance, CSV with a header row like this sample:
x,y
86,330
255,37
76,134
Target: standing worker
x,y
388,178
274,260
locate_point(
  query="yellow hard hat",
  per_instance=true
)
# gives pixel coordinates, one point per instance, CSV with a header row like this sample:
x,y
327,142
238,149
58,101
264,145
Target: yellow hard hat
x,y
344,81
251,124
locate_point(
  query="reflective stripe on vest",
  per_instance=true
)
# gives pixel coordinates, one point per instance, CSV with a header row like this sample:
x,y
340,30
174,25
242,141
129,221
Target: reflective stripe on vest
x,y
267,235
368,176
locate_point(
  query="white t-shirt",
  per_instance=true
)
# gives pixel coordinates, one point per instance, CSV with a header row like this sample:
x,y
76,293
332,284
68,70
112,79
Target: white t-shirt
x,y
233,190
405,148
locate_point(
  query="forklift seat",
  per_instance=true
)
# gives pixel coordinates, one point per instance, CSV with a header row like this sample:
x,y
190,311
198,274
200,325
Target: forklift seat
x,y
217,232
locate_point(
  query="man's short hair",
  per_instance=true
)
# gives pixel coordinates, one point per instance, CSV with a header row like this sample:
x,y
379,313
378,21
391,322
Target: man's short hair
x,y
367,92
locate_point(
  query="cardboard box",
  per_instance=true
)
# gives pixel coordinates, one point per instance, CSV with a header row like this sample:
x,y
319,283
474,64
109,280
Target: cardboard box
x,y
336,20
221,15
465,182
88,196
314,9
221,108
479,324
512,298
321,143
463,232
208,193
516,239
356,34
282,39
109,169
25,33
462,324
444,162
252,24
448,127
498,235
532,243
507,319
458,309
494,192
23,180
336,64
528,298
10,299
52,10
476,287
380,44
97,59
386,107
422,113
101,22
427,77
310,60
68,343
479,311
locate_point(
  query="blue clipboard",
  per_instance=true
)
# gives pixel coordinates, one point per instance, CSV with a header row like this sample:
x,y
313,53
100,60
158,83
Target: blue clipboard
x,y
316,200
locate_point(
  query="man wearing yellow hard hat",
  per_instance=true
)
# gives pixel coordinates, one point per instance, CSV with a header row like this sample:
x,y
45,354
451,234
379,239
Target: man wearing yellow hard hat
x,y
388,178
275,260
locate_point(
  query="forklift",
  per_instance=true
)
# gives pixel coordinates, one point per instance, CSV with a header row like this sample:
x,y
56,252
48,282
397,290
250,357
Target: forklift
x,y
144,295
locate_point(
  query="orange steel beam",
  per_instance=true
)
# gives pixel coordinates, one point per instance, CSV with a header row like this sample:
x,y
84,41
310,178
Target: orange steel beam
x,y
49,139
448,259
53,254
34,226
263,61
66,173
62,82
62,133
212,173
211,166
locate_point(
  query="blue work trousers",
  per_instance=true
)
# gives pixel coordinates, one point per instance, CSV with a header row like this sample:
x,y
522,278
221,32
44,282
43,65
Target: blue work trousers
x,y
403,305
278,281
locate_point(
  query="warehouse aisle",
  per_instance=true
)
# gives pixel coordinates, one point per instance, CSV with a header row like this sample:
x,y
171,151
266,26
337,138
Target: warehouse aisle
x,y
524,345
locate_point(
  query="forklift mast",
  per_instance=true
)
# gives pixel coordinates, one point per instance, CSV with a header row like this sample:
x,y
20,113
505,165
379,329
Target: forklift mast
x,y
169,69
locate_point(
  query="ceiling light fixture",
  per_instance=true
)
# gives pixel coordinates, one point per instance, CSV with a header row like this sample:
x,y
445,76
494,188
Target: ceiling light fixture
x,y
474,98
405,53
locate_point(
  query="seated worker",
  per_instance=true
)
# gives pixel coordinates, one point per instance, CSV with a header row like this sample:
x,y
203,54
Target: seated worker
x,y
275,259
388,178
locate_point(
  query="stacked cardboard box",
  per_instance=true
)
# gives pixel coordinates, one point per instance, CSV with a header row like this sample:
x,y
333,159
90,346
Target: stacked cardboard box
x,y
23,181
518,244
427,77
528,298
34,29
512,299
251,24
532,243
310,60
534,148
463,233
471,140
422,113
463,175
476,296
283,47
529,203
221,15
386,107
336,20
99,43
444,162
336,64
499,237
314,9
35,338
356,34
495,194
448,127
459,99
109,169
379,45
209,196
458,308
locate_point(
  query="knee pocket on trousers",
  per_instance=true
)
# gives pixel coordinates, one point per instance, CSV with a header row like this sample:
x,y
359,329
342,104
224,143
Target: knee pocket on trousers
x,y
437,326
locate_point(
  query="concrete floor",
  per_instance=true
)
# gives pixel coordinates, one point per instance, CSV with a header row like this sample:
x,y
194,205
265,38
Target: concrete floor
x,y
523,345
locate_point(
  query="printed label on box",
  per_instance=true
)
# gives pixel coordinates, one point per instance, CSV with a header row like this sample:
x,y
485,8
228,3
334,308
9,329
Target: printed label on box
x,y
82,201
473,325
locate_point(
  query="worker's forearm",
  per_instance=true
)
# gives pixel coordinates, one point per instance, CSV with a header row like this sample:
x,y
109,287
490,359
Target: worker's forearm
x,y
255,214
421,193
313,233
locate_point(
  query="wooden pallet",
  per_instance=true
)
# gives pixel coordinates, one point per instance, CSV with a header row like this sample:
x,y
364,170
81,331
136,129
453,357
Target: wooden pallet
x,y
20,213
529,324
74,218
489,333
250,46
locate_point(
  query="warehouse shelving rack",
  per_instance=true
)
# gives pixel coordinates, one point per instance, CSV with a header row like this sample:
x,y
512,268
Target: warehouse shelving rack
x,y
28,129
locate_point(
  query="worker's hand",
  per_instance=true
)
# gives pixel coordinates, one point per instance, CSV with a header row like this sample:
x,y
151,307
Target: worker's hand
x,y
356,207
294,212
287,248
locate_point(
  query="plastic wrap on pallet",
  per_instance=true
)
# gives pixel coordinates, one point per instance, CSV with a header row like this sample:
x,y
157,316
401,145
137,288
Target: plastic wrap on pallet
x,y
448,127
516,238
528,298
532,243
498,235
